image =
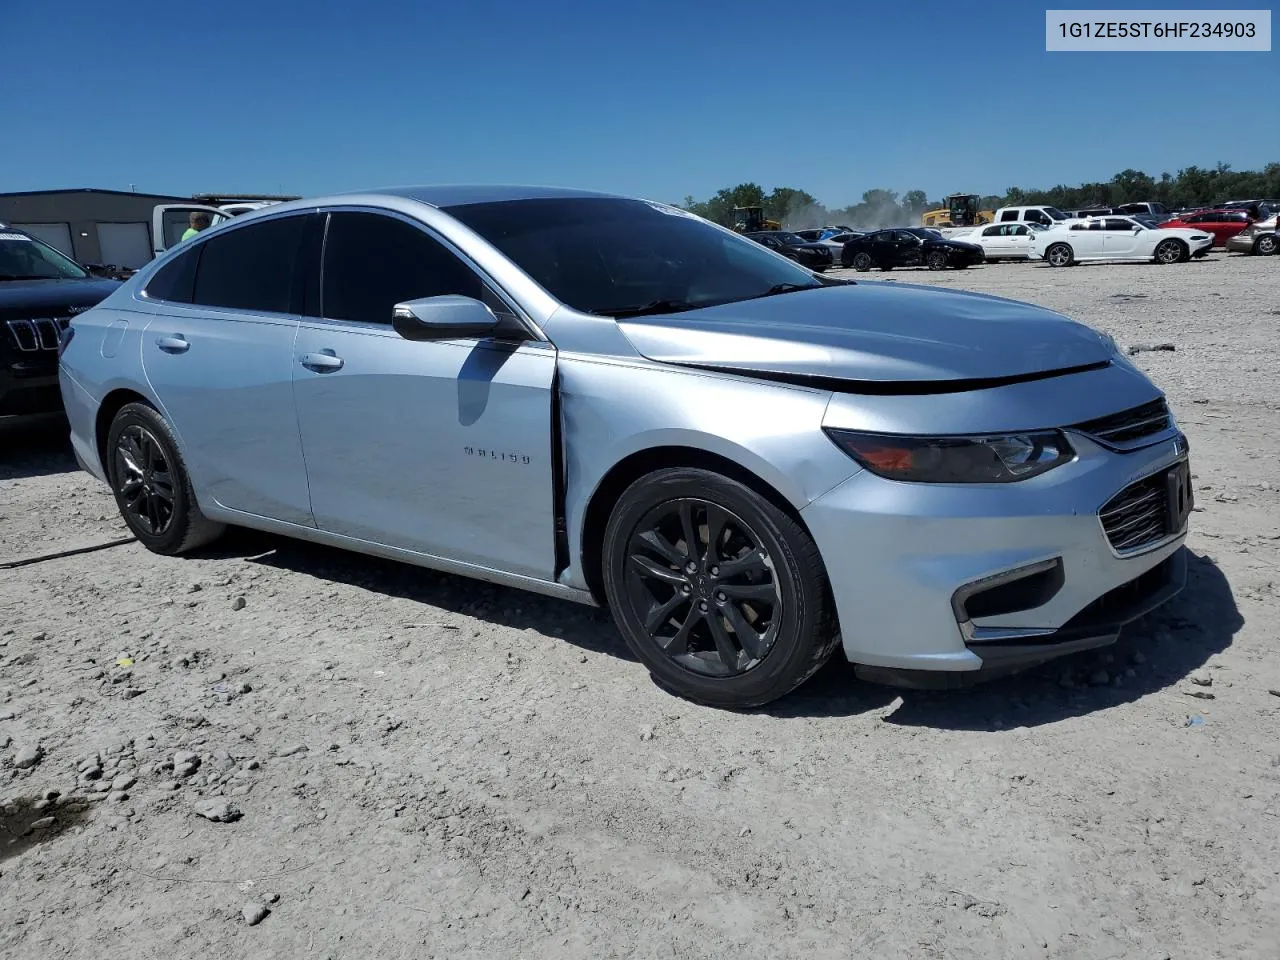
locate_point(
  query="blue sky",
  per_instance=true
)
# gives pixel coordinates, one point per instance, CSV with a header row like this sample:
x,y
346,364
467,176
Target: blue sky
x,y
660,99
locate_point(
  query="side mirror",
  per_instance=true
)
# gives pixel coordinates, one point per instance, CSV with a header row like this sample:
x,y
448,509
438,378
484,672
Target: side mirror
x,y
449,317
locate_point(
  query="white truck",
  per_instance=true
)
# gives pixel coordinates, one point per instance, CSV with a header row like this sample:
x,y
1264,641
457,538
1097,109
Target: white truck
x,y
169,221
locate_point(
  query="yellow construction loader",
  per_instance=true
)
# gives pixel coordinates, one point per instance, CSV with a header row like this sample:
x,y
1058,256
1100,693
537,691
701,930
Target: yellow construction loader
x,y
959,210
751,220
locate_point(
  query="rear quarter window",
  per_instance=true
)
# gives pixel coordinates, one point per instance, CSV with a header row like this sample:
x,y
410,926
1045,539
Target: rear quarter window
x,y
176,280
250,268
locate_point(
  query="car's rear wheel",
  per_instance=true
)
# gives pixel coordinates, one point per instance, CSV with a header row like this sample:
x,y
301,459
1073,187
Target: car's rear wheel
x,y
1171,251
936,260
862,262
721,594
1265,245
1060,255
151,486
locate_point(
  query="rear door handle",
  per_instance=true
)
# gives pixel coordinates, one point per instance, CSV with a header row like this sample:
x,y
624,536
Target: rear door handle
x,y
174,344
321,362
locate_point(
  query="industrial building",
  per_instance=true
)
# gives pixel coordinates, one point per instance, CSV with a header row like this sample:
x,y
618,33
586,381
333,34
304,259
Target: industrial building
x,y
97,226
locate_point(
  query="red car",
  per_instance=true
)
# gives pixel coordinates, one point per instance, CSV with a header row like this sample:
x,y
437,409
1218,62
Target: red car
x,y
1223,224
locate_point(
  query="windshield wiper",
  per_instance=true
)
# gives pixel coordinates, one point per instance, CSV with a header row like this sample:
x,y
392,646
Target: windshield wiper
x,y
24,276
789,288
653,306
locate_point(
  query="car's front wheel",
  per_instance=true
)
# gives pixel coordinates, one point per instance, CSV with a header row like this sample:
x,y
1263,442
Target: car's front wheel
x,y
936,260
1060,255
151,485
1171,251
721,594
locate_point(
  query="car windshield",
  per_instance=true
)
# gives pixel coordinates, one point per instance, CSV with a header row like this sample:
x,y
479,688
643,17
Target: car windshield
x,y
23,257
789,237
616,256
1054,213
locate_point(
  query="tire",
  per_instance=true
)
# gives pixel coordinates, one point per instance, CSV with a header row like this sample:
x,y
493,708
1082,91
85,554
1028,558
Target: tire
x,y
1060,255
1265,245
1171,251
862,262
785,588
143,462
936,260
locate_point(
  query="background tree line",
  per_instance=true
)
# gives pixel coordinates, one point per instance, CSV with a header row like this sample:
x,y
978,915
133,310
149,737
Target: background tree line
x,y
1190,187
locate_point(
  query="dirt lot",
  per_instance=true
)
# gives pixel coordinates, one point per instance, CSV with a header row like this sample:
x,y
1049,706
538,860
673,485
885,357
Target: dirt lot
x,y
423,766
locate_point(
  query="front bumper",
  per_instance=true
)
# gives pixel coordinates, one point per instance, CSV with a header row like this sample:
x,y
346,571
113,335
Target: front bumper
x,y
901,555
28,386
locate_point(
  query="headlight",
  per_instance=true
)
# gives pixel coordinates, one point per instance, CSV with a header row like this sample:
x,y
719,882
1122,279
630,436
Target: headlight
x,y
988,459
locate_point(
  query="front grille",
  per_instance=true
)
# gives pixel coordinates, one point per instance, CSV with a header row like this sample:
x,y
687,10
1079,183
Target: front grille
x,y
39,334
1139,514
1123,430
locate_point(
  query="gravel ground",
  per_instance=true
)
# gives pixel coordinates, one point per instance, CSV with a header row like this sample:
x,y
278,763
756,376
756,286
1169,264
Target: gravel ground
x,y
275,750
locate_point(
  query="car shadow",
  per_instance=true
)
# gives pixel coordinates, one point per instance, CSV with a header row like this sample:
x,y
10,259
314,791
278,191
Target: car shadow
x,y
35,447
586,627
24,823
1152,654
1160,649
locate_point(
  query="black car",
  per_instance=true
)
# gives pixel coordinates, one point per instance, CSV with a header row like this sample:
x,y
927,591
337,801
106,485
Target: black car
x,y
815,256
40,291
909,247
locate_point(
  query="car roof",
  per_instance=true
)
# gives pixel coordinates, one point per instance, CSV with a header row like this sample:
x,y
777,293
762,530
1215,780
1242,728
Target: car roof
x,y
442,196
456,195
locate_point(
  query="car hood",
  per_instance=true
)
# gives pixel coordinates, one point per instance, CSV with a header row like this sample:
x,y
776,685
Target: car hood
x,y
52,298
872,332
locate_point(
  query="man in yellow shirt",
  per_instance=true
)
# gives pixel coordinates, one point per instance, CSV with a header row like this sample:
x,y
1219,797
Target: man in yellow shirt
x,y
199,220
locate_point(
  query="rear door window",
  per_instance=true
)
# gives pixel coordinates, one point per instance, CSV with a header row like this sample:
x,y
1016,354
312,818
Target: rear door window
x,y
250,268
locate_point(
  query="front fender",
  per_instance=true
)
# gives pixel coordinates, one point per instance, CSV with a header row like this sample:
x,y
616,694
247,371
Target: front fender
x,y
611,411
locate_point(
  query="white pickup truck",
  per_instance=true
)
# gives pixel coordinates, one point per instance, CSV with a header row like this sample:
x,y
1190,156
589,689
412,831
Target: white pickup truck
x,y
169,221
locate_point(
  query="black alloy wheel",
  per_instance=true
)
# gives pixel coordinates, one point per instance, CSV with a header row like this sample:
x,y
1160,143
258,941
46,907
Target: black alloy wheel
x,y
151,486
936,260
144,481
718,590
862,261
703,586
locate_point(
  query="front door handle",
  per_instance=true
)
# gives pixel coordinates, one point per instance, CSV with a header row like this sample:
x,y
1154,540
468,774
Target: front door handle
x,y
174,344
322,362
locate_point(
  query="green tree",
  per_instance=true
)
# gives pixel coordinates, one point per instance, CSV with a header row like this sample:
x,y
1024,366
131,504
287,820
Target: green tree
x,y
915,202
793,208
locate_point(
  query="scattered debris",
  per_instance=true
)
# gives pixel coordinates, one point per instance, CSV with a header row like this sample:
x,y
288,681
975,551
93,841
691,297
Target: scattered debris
x,y
217,809
28,757
1150,348
254,913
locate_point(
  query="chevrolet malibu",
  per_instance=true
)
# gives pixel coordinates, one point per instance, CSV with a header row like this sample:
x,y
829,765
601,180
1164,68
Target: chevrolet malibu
x,y
612,401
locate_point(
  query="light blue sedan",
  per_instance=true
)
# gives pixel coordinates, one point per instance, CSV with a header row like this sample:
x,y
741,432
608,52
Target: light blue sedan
x,y
613,401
